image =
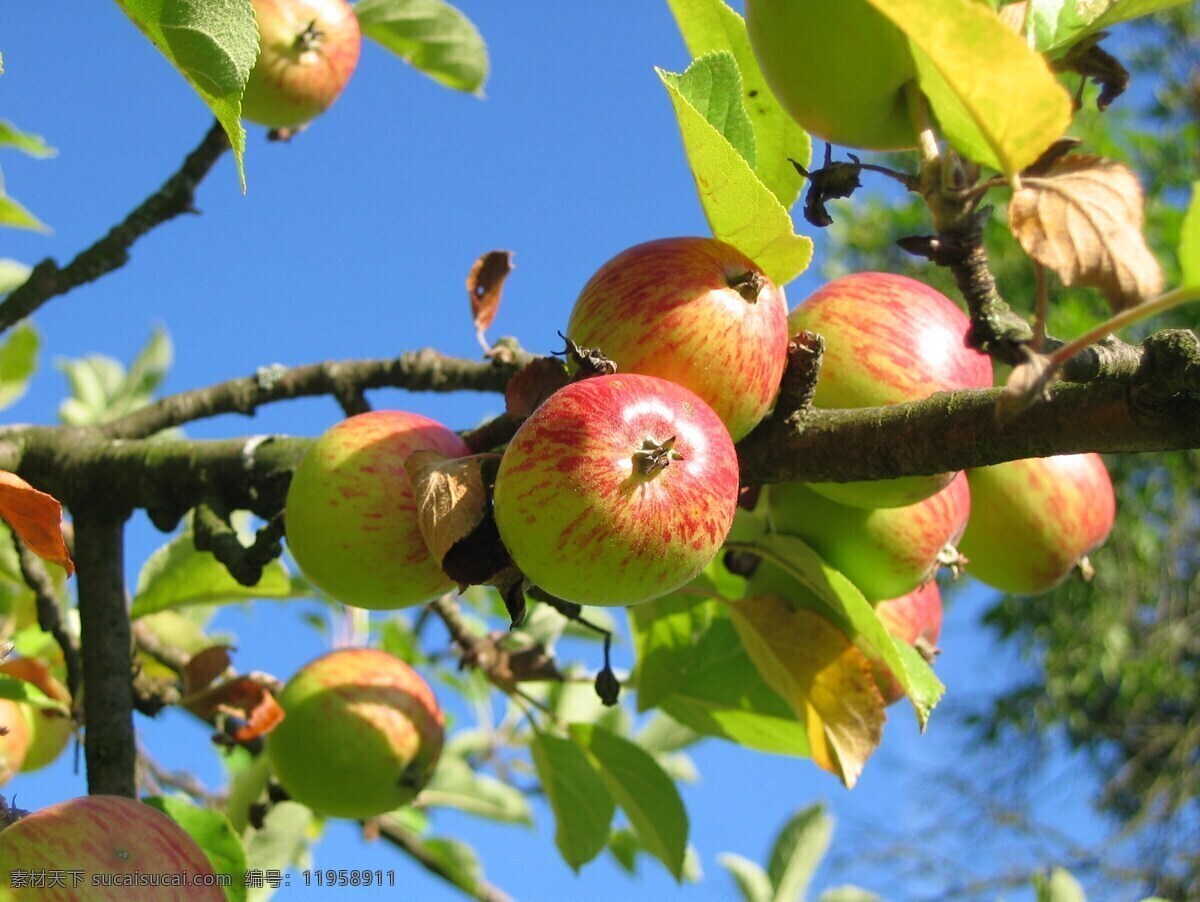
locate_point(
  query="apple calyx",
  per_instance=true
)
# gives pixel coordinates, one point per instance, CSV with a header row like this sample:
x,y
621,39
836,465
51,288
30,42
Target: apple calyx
x,y
926,649
748,283
588,362
655,456
310,38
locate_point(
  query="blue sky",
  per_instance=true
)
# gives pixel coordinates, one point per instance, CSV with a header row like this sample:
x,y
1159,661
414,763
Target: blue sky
x,y
354,241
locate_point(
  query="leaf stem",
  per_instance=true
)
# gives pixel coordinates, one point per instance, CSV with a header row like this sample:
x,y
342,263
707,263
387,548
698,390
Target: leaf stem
x,y
1175,298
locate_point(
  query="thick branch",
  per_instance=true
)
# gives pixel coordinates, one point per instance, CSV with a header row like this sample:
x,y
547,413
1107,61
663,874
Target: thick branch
x,y
112,251
109,743
424,370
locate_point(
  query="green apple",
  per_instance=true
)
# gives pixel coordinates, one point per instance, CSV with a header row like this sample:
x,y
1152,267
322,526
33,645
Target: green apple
x,y
696,311
1033,520
361,735
49,730
618,489
351,516
886,552
915,619
308,49
838,67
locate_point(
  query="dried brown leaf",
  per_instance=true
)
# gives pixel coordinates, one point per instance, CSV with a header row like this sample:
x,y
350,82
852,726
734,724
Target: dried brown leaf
x,y
450,495
242,697
1083,219
204,667
537,381
1028,383
36,518
485,283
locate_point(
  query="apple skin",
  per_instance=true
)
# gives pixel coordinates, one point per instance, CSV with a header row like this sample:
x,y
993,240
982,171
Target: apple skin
x,y
351,516
14,742
838,68
300,73
49,731
104,836
885,552
581,519
361,735
888,339
667,308
1033,520
912,617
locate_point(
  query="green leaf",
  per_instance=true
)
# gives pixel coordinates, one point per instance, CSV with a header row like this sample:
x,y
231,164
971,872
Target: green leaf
x,y
1003,114
213,44
1060,886
13,274
280,843
215,835
665,734
102,389
1056,25
709,25
247,785
834,596
431,35
15,215
177,574
458,860
693,666
798,850
582,804
642,788
1189,241
18,690
848,893
751,879
712,84
34,145
741,210
456,785
18,361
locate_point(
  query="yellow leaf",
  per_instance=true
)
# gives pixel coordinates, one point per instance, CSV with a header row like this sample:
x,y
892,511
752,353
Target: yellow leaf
x,y
825,679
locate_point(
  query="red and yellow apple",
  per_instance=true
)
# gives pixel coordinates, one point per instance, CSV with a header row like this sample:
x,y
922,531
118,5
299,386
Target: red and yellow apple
x,y
14,740
888,339
885,552
696,311
915,619
1033,520
308,49
98,843
49,730
351,516
838,68
361,735
618,489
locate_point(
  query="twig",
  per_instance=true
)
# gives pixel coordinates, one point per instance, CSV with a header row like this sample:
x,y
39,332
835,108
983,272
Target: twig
x,y
33,569
411,845
111,252
213,533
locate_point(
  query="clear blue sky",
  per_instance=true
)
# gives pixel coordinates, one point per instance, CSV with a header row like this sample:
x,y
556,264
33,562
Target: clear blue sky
x,y
354,241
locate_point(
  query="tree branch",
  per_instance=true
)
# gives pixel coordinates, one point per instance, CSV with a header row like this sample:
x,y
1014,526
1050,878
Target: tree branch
x,y
111,252
33,570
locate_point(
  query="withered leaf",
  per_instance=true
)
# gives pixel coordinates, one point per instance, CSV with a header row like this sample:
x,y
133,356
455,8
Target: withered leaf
x,y
204,667
1083,219
1028,383
1014,15
36,518
450,495
822,676
242,697
537,381
485,283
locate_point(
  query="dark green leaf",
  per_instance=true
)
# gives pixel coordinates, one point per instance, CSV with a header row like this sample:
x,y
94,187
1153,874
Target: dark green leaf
x,y
432,35
459,862
582,804
215,835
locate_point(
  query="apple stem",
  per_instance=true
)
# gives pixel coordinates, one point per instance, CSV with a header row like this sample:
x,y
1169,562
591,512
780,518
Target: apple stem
x,y
655,456
748,284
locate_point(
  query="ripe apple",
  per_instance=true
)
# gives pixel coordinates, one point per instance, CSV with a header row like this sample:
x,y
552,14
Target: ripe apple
x,y
1033,520
308,50
888,339
351,517
14,741
361,735
696,311
49,731
618,489
839,69
886,552
106,838
915,618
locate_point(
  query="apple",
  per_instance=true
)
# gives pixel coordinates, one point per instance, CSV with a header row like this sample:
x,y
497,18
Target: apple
x,y
361,735
308,50
96,842
696,311
49,731
888,339
885,552
618,489
915,618
1033,520
838,68
351,516
14,741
